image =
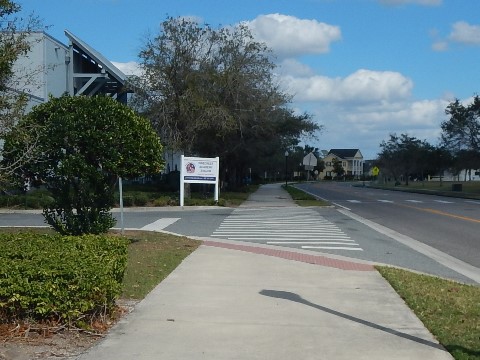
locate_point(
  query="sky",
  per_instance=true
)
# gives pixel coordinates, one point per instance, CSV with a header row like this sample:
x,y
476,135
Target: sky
x,y
363,69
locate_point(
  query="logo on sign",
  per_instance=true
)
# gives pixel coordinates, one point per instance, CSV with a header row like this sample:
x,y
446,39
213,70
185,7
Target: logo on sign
x,y
190,168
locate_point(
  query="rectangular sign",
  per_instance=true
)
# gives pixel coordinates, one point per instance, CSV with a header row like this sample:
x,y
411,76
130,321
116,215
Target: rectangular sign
x,y
200,170
196,170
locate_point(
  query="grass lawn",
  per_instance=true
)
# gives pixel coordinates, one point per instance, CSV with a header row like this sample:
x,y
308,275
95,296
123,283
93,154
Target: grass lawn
x,y
450,310
301,198
151,257
470,189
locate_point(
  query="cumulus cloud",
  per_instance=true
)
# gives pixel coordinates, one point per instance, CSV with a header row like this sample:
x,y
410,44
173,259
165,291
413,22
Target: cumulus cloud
x,y
290,37
418,2
463,32
128,68
365,126
363,86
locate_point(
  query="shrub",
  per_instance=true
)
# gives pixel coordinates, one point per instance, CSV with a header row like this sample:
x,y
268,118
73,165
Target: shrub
x,y
50,277
141,199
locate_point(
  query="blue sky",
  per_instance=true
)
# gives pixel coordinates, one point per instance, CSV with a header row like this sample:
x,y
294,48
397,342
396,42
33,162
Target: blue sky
x,y
362,68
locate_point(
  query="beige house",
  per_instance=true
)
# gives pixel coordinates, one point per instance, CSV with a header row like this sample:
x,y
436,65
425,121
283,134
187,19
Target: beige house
x,y
351,159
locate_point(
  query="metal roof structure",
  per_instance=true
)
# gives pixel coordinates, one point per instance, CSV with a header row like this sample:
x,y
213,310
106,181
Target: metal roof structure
x,y
91,73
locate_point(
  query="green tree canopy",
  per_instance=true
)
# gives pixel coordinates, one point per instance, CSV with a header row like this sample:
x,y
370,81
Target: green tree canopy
x,y
213,93
406,155
461,133
84,145
13,44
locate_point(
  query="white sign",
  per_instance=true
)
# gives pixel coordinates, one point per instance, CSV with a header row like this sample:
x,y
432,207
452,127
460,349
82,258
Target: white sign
x,y
198,171
310,160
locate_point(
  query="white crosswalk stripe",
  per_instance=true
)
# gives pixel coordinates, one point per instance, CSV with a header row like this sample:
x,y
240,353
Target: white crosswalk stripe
x,y
299,227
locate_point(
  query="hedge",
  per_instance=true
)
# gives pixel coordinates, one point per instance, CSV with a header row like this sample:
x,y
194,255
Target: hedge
x,y
59,278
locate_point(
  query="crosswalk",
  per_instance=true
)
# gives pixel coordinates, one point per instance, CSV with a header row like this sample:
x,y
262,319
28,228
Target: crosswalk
x,y
297,227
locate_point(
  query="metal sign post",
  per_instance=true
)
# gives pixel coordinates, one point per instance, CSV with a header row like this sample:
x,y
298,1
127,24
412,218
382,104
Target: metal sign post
x,y
309,161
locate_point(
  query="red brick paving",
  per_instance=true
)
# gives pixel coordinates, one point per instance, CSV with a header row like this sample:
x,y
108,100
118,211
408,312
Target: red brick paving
x,y
291,255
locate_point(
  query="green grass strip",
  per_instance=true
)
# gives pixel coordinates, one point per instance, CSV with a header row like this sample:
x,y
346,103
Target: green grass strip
x,y
449,310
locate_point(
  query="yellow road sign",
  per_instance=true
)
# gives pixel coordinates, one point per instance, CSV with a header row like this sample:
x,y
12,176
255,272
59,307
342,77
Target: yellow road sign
x,y
375,171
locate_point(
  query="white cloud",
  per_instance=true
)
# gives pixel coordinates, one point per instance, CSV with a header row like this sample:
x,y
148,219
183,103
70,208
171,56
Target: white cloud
x,y
289,36
128,68
465,33
295,68
363,86
440,45
461,32
418,2
364,127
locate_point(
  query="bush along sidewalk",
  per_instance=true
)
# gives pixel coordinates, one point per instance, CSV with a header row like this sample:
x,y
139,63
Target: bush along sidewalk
x,y
69,281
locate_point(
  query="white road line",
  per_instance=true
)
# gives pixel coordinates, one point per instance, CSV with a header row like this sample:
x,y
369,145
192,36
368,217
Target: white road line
x,y
160,224
414,201
310,242
385,201
449,261
444,202
341,206
473,202
354,201
332,248
293,227
278,236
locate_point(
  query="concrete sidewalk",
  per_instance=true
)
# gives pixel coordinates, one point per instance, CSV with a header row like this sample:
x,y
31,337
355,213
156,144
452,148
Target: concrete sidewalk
x,y
239,301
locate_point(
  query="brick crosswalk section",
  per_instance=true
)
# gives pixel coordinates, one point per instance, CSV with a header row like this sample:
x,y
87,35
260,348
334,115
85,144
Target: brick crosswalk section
x,y
291,255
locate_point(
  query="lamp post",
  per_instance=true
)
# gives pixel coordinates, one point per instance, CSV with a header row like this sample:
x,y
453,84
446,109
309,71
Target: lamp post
x,y
286,168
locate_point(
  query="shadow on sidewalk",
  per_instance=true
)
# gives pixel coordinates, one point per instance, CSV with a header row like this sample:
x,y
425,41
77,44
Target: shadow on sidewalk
x,y
286,295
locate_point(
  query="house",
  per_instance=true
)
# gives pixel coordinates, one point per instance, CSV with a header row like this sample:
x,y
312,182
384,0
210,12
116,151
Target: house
x,y
53,68
351,159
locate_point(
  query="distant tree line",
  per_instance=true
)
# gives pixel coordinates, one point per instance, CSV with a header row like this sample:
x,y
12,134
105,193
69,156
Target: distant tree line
x,y
407,157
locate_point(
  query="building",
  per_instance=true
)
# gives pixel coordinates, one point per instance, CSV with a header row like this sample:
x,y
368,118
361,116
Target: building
x,y
351,159
52,68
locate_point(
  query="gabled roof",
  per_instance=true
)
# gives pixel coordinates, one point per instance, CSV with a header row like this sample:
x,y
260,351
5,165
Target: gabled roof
x,y
344,153
95,55
93,73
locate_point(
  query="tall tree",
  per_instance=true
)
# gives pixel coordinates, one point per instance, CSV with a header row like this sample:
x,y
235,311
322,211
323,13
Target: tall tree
x,y
461,133
13,44
462,130
84,145
212,93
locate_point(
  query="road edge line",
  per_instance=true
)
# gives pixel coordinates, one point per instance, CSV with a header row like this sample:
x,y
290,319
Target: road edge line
x,y
449,261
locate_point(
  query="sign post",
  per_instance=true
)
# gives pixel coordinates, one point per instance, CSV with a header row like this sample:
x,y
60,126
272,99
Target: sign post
x,y
196,170
309,161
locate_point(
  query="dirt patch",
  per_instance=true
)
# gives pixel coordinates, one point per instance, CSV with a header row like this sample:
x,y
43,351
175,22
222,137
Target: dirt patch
x,y
20,343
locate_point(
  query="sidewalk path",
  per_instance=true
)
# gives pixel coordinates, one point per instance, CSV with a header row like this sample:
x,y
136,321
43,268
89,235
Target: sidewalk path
x,y
240,301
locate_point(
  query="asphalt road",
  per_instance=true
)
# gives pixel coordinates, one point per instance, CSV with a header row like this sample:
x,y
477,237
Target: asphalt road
x,y
447,224
451,225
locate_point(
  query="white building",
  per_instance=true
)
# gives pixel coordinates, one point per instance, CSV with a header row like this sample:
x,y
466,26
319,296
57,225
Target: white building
x,y
52,68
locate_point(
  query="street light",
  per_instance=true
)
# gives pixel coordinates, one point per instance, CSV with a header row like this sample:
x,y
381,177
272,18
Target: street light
x,y
286,167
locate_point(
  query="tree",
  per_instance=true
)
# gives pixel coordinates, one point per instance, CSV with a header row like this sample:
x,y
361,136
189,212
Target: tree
x,y
461,133
13,44
84,145
462,130
338,168
404,155
212,93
